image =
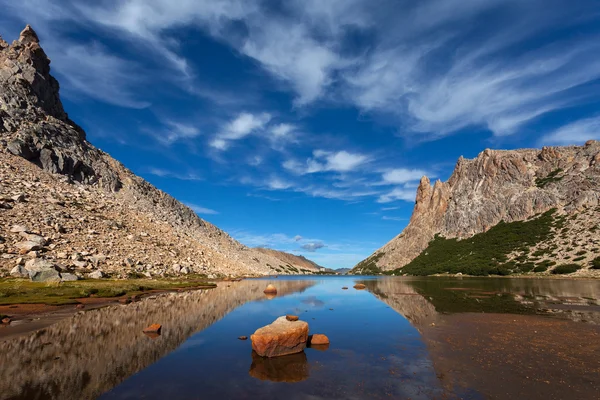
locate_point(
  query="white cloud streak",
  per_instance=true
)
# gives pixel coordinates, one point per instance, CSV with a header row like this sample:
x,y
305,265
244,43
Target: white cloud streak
x,y
243,125
577,132
201,210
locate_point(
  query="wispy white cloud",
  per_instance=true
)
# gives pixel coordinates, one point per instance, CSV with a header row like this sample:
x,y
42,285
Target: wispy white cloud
x,y
243,125
327,161
398,193
176,131
388,218
402,175
163,173
201,210
577,132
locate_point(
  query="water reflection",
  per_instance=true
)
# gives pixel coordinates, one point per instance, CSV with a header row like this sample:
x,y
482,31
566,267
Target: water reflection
x,y
421,299
380,340
83,356
290,368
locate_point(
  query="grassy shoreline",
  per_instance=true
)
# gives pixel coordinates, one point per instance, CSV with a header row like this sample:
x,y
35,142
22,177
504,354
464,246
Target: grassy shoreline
x,y
23,291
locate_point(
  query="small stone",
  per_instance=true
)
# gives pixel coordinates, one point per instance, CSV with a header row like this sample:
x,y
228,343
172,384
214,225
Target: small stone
x,y
18,228
292,317
80,264
185,270
176,268
270,289
25,247
243,338
19,198
80,306
6,321
345,288
319,339
154,328
360,286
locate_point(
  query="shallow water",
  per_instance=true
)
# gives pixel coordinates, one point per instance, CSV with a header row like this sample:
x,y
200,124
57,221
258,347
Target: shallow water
x,y
381,340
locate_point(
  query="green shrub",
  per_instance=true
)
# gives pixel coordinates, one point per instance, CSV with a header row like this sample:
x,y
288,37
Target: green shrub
x,y
596,263
566,269
579,259
368,266
552,177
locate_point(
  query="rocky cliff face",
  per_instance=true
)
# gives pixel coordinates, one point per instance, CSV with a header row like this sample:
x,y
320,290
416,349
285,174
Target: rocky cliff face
x,y
84,203
498,186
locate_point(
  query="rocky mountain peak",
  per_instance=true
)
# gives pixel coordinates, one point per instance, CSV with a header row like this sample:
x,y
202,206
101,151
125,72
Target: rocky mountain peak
x,y
89,206
28,35
497,185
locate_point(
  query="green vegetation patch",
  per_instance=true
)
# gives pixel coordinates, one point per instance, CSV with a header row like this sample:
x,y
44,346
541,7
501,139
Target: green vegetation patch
x,y
596,263
566,269
368,266
21,291
485,253
552,177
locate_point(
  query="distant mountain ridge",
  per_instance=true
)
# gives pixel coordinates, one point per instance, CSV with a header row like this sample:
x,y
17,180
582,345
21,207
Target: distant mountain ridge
x,y
496,200
288,260
87,211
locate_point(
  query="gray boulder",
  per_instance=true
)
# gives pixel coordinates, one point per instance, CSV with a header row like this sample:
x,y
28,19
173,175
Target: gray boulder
x,y
38,265
48,275
96,275
19,272
66,277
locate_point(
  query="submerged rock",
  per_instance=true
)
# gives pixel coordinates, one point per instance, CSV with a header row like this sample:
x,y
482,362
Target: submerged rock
x,y
318,339
280,338
359,286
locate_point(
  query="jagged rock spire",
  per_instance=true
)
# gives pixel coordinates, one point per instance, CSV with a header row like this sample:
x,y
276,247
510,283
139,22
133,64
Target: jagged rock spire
x,y
28,35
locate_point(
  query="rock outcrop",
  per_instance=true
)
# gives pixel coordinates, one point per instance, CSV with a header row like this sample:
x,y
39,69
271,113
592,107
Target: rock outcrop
x,y
509,185
280,338
91,212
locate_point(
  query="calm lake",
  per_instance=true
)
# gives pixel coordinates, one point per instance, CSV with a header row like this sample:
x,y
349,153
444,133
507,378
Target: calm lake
x,y
400,338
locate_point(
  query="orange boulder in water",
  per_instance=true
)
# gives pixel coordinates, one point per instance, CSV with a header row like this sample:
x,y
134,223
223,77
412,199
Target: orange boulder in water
x,y
280,338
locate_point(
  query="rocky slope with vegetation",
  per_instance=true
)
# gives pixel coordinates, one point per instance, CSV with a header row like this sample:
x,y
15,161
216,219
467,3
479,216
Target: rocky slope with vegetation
x,y
504,212
69,210
291,263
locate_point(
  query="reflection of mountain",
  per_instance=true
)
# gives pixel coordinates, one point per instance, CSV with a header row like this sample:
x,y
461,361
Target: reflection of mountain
x,y
86,355
404,299
420,300
290,368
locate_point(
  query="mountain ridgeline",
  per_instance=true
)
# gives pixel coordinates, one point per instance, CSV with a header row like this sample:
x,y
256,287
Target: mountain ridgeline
x,y
67,206
505,212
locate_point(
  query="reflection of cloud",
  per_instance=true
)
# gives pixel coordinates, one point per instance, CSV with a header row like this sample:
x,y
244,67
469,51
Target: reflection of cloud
x,y
313,301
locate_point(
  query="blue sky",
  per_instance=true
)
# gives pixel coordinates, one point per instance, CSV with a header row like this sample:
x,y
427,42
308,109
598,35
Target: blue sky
x,y
305,125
